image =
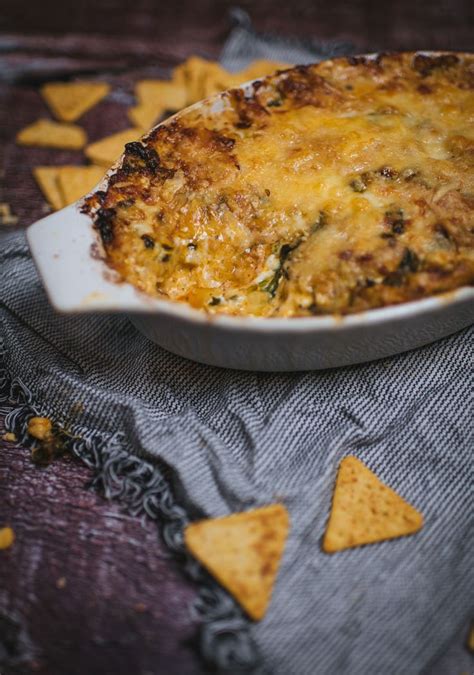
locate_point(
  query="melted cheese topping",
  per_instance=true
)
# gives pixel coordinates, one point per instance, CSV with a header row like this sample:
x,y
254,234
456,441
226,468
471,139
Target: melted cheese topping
x,y
332,188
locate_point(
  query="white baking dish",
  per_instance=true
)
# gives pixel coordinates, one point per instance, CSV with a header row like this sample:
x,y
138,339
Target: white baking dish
x,y
64,247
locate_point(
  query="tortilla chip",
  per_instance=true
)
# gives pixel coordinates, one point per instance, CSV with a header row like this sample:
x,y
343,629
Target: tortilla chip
x,y
256,69
211,79
194,72
365,510
164,94
145,115
214,82
178,75
261,68
77,181
217,79
6,216
40,428
7,537
470,638
193,80
48,134
106,151
69,100
204,78
243,552
47,179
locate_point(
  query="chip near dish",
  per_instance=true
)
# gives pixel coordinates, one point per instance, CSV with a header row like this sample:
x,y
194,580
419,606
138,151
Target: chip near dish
x,y
326,189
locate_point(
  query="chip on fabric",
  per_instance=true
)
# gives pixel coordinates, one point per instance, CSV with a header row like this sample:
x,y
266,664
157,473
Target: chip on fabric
x,y
164,94
69,100
106,151
49,134
77,181
243,551
365,510
47,179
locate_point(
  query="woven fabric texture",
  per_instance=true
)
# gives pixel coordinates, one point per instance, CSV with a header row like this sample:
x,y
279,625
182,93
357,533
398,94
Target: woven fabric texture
x,y
235,440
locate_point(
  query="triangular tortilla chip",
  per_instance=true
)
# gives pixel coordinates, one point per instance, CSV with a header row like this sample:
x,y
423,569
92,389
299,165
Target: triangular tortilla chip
x,y
186,75
69,100
48,134
261,68
194,72
77,181
47,179
178,75
145,115
163,93
214,82
243,553
106,151
365,510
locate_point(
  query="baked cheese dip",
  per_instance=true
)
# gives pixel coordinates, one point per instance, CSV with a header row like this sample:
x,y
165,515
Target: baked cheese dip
x,y
325,189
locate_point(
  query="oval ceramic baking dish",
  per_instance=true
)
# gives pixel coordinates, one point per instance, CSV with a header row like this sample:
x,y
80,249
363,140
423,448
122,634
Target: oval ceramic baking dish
x,y
67,251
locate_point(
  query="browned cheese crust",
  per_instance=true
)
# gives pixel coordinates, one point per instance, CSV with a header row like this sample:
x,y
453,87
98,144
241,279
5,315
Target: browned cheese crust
x,y
331,188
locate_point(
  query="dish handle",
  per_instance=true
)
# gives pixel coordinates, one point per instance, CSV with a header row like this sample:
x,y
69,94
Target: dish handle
x,y
66,251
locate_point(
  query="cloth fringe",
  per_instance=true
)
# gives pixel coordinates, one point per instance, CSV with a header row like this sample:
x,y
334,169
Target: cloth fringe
x,y
142,489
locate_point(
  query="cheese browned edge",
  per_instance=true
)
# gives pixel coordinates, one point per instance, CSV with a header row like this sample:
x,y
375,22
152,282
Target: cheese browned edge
x,y
325,189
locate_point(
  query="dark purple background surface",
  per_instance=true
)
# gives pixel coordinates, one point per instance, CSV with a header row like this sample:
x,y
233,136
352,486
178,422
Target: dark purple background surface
x,y
86,588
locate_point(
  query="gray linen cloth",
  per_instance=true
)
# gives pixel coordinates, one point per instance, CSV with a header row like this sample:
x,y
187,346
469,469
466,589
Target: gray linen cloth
x,y
229,441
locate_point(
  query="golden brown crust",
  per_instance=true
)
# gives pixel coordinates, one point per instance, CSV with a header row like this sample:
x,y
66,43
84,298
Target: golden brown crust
x,y
331,188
